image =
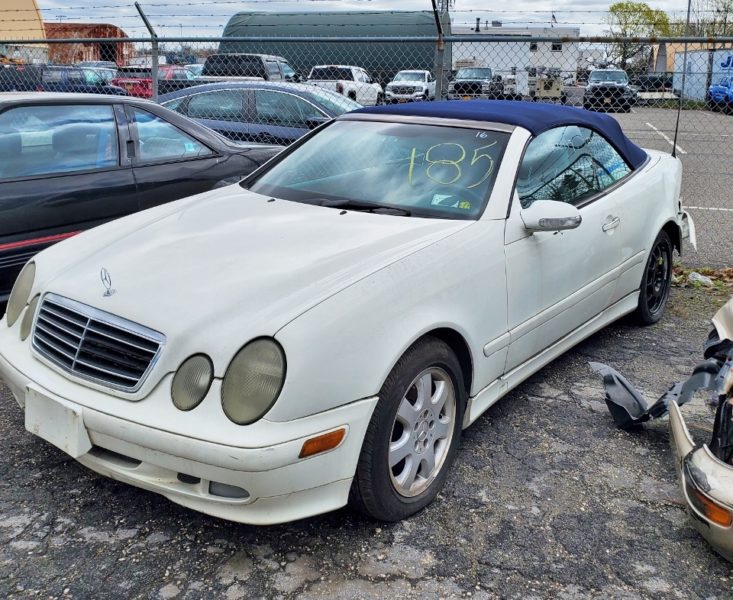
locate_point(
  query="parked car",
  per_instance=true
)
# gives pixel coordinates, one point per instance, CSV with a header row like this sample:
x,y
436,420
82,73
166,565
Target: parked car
x,y
705,471
720,95
244,67
327,328
608,90
55,78
265,112
352,82
138,81
471,83
70,162
107,75
195,68
407,86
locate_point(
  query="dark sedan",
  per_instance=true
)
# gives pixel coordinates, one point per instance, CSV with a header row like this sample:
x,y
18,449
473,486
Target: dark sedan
x,y
69,162
259,111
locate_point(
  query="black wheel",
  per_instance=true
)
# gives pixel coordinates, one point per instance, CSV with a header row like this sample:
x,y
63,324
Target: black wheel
x,y
656,281
380,99
413,435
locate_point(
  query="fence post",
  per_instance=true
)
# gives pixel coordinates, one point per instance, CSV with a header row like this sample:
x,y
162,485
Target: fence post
x,y
154,43
439,53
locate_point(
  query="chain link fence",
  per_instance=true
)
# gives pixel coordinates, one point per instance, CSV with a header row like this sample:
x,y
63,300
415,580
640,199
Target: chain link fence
x,y
274,89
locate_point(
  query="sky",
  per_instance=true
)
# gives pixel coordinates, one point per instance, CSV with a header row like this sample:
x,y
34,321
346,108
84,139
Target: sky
x,y
174,18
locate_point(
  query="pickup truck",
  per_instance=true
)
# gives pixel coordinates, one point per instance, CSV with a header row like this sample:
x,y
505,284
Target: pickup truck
x,y
407,86
246,67
476,82
352,82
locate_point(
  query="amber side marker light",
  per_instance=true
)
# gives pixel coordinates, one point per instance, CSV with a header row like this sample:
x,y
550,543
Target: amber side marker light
x,y
322,443
712,510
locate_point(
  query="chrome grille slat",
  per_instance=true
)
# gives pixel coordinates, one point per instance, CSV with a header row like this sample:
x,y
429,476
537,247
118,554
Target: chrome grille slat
x,y
94,345
57,337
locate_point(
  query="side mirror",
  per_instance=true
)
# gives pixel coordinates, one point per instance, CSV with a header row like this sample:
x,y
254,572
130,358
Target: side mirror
x,y
549,215
314,122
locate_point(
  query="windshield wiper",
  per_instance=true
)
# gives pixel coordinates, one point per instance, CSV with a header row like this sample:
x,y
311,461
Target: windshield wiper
x,y
363,206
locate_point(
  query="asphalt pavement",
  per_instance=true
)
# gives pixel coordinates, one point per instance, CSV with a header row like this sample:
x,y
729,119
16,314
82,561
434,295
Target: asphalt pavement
x,y
546,500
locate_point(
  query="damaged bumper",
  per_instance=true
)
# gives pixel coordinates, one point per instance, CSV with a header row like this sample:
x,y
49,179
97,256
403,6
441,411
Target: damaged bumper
x,y
705,471
687,225
707,486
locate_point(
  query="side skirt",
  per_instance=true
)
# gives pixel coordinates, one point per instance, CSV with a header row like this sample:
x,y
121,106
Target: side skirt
x,y
507,382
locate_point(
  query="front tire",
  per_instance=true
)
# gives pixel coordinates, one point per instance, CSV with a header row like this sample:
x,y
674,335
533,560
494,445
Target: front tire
x,y
413,434
656,281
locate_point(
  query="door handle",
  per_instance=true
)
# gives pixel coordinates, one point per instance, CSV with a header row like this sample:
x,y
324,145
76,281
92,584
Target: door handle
x,y
611,223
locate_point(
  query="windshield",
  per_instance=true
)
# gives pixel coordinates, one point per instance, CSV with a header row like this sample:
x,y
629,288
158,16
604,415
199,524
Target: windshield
x,y
615,76
423,170
409,76
330,74
335,103
473,74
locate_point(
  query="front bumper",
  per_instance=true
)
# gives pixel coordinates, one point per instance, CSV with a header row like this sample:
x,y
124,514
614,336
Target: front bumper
x,y
700,472
415,96
256,485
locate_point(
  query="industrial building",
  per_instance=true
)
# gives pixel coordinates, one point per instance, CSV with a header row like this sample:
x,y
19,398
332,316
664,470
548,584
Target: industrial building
x,y
67,54
381,59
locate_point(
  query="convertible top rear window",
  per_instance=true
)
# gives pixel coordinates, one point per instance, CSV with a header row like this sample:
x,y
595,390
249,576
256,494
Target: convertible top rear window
x,y
421,170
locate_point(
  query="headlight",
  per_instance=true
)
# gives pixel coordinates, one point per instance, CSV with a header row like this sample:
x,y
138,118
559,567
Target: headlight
x,y
192,381
21,292
253,381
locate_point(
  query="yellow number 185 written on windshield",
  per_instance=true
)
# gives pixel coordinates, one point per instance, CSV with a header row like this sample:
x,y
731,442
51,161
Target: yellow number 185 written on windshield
x,y
448,163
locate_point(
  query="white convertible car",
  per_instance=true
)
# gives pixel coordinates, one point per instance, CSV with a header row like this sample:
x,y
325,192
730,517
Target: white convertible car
x,y
324,330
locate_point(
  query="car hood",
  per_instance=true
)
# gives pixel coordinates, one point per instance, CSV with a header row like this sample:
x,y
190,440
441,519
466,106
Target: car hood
x,y
233,261
607,84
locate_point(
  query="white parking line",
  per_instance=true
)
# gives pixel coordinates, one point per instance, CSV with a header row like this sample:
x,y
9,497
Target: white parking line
x,y
709,208
632,111
707,114
661,133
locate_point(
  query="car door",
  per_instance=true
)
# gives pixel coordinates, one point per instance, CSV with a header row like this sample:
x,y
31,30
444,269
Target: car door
x,y
61,171
557,281
167,162
279,117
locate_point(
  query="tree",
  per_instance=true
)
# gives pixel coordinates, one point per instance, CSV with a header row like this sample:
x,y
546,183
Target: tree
x,y
634,19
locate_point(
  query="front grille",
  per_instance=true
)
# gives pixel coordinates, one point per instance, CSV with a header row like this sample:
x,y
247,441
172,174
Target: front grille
x,y
95,345
403,90
468,88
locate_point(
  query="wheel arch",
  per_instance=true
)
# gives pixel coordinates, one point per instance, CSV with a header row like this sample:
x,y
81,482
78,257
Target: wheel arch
x,y
674,232
457,343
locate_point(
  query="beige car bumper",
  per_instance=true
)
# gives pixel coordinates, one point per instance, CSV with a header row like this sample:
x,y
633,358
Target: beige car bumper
x,y
707,486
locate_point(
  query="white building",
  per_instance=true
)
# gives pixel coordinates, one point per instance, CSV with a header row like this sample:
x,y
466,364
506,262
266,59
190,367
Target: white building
x,y
701,68
517,58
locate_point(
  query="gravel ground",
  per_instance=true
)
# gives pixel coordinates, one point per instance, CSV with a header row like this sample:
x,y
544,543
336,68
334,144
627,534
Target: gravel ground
x,y
547,500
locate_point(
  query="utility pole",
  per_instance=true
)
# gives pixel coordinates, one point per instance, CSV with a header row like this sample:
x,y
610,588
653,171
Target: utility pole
x,y
154,43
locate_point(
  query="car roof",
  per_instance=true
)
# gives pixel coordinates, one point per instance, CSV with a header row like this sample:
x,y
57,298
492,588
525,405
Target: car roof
x,y
336,67
536,117
64,98
285,86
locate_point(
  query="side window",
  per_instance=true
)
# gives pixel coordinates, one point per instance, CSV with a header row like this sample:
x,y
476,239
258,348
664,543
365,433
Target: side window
x,y
223,105
44,140
273,71
52,76
286,110
159,140
288,72
76,77
568,164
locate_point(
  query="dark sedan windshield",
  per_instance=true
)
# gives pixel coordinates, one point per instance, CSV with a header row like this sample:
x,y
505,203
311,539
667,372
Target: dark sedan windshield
x,y
421,170
615,76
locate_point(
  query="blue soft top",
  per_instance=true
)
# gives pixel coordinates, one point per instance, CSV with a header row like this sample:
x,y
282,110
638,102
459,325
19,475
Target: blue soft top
x,y
536,117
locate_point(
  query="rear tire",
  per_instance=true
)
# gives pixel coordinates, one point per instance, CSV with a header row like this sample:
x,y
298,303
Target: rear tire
x,y
413,434
656,281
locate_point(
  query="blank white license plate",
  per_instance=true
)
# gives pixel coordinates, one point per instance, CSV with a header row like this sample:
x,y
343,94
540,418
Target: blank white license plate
x,y
56,421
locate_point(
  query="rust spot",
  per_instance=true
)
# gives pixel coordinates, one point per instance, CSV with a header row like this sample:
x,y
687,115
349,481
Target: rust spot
x,y
116,51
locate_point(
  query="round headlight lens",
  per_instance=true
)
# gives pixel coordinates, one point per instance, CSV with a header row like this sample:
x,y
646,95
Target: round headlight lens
x,y
21,292
253,381
27,322
192,381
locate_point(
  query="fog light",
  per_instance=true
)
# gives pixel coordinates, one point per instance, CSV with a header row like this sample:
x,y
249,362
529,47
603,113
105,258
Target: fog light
x,y
322,443
27,322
